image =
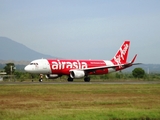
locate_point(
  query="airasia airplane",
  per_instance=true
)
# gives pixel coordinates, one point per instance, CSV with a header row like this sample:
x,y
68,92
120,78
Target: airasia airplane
x,y
54,68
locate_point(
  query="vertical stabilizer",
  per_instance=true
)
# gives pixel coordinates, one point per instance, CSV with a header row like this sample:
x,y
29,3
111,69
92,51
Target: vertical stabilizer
x,y
122,54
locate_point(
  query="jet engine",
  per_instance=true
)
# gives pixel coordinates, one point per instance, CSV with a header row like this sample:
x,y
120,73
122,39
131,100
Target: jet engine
x,y
77,74
52,76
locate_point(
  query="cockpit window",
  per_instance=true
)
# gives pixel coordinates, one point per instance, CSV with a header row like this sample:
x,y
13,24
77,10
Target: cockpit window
x,y
33,63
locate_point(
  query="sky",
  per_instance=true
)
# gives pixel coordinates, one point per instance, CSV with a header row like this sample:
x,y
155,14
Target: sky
x,y
84,29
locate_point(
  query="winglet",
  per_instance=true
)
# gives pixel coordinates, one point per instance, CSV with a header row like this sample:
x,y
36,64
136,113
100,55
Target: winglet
x,y
132,62
134,59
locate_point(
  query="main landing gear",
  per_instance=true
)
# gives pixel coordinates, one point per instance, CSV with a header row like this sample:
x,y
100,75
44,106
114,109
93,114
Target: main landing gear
x,y
70,79
86,79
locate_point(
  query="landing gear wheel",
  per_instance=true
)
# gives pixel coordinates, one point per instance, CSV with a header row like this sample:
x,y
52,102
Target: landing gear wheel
x,y
87,79
41,77
40,80
70,79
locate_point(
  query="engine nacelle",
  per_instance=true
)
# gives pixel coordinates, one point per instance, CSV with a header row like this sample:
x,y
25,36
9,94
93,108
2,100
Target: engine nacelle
x,y
77,74
52,76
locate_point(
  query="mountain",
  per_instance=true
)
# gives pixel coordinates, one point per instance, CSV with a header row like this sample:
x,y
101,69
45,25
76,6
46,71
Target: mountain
x,y
20,55
11,50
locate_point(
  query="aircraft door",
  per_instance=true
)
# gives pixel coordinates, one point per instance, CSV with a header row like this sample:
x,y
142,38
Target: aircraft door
x,y
46,66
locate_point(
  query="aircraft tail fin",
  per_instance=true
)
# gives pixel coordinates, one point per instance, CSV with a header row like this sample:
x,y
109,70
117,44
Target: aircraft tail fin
x,y
122,54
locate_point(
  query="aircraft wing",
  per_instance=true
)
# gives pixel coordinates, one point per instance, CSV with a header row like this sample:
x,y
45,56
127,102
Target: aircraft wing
x,y
101,67
113,66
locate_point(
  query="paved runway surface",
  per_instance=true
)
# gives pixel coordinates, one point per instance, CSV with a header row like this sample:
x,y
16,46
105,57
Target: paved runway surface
x,y
115,82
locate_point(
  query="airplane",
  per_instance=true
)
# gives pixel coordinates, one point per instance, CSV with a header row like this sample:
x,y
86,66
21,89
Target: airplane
x,y
54,68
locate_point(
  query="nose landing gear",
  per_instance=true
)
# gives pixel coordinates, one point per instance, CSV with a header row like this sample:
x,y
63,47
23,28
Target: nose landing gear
x,y
41,78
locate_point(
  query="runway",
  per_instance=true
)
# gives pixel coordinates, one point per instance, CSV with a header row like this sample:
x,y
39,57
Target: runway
x,y
52,83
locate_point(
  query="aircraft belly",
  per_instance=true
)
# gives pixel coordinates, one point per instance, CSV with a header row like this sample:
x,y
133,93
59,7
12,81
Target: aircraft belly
x,y
111,70
99,72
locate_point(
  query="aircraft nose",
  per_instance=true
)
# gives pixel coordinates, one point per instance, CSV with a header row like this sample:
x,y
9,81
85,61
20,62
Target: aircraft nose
x,y
27,68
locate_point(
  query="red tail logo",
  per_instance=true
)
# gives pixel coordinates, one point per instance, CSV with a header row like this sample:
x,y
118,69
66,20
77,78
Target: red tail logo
x,y
122,54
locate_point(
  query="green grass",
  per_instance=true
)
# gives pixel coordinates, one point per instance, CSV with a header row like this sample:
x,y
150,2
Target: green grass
x,y
80,102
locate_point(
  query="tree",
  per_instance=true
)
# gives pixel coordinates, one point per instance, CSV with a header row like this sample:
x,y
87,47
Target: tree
x,y
9,68
138,73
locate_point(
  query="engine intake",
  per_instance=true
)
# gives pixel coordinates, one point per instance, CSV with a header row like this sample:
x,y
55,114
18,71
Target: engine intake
x,y
77,74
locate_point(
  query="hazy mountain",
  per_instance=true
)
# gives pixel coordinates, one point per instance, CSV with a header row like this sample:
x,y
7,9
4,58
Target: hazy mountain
x,y
20,55
11,50
148,68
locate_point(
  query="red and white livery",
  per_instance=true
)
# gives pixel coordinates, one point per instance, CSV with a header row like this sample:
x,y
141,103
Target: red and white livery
x,y
54,68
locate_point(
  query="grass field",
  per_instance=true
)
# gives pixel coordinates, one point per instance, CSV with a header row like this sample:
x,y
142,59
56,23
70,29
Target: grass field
x,y
80,102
